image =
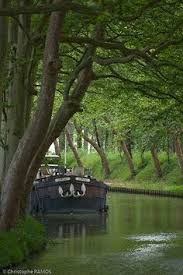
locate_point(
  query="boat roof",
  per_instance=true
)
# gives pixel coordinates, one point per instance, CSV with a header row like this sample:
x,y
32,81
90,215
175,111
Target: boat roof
x,y
67,179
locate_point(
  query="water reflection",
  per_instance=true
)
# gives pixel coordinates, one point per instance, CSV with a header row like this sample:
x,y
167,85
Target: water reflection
x,y
140,235
74,225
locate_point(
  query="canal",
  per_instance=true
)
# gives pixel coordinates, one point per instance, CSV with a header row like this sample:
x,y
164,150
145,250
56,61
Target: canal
x,y
139,235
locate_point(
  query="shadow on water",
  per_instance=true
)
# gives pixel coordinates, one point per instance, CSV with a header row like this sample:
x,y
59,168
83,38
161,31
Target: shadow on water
x,y
140,235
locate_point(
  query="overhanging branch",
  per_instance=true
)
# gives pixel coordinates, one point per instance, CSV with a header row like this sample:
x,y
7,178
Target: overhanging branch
x,y
81,40
141,10
41,9
117,60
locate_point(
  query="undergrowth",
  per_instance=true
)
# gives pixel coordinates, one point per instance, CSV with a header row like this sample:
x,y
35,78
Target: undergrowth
x,y
28,237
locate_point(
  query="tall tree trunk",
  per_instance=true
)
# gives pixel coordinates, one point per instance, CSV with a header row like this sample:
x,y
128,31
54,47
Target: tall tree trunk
x,y
128,158
35,133
72,146
19,97
57,147
70,106
128,143
85,143
79,142
156,161
179,152
3,72
96,133
125,151
168,147
100,151
143,162
106,141
3,52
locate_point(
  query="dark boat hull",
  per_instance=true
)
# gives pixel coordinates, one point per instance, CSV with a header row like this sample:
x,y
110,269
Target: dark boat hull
x,y
46,196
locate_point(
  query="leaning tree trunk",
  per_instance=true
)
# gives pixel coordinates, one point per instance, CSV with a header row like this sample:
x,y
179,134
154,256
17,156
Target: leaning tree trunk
x,y
79,142
106,141
73,147
85,145
70,106
35,133
57,147
179,152
125,151
156,161
100,151
96,132
128,158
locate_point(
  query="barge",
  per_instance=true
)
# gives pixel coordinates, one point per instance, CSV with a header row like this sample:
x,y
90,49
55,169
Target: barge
x,y
62,193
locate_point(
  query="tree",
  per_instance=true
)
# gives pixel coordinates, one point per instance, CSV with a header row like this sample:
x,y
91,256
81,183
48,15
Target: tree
x,y
70,105
29,144
100,151
72,146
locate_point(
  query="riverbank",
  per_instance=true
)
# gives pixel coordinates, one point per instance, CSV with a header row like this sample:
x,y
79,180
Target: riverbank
x,y
145,179
159,186
153,189
26,239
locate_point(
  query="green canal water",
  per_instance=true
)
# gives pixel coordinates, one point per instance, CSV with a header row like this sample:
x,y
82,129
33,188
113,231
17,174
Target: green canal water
x,y
139,235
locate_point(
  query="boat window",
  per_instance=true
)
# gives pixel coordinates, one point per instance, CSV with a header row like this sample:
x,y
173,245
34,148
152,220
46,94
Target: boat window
x,y
82,179
62,179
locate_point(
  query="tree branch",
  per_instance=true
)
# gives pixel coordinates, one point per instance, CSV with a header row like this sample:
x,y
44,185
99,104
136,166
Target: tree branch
x,y
81,65
40,9
166,44
114,60
97,43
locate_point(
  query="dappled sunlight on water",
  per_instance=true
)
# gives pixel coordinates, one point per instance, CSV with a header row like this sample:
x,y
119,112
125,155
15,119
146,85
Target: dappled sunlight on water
x,y
154,237
147,251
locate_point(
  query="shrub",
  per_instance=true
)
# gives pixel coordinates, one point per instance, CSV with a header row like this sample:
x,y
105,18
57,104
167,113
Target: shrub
x,y
26,238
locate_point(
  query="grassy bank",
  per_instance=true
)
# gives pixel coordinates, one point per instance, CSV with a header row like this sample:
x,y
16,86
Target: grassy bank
x,y
146,177
28,237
